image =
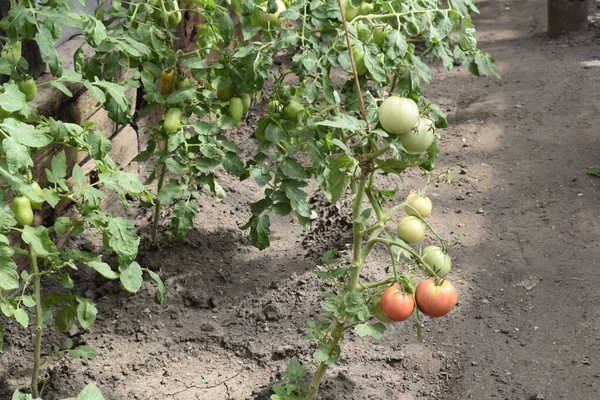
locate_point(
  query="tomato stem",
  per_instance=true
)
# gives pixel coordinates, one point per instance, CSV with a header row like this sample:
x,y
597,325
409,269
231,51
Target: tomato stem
x,y
377,284
161,180
38,321
336,335
361,101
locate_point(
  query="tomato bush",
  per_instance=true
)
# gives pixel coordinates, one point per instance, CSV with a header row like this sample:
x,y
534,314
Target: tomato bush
x,y
25,133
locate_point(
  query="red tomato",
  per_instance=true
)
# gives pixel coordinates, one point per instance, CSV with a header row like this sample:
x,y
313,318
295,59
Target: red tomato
x,y
435,300
397,305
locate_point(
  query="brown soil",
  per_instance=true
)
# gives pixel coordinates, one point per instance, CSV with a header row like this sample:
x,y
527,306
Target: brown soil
x,y
523,206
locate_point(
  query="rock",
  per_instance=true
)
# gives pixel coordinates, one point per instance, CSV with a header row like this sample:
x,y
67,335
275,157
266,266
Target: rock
x,y
272,312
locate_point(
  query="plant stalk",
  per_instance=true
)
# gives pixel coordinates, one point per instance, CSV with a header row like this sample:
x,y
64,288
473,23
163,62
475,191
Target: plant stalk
x,y
38,322
161,181
336,336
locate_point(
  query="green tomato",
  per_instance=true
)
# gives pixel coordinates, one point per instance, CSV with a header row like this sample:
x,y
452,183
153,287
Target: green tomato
x,y
411,230
175,16
294,110
359,61
398,115
421,204
185,83
12,52
439,261
379,35
29,88
350,11
273,18
21,207
36,205
418,140
245,97
365,8
172,120
236,109
225,93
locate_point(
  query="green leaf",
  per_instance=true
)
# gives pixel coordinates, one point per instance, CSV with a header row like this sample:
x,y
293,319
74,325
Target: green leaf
x,y
95,32
59,165
78,175
344,121
260,231
9,277
225,25
395,46
12,99
17,155
160,296
86,312
467,40
374,330
28,301
102,268
22,317
297,198
23,396
123,239
48,52
131,276
100,146
182,94
375,66
172,191
25,134
183,218
336,177
65,318
261,174
86,352
61,86
291,168
206,164
40,241
294,371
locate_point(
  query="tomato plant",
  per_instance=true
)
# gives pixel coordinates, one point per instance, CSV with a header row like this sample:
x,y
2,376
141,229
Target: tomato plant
x,y
436,300
203,97
22,133
348,130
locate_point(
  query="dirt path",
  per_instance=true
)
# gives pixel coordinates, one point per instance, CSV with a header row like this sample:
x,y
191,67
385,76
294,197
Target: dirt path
x,y
523,207
530,324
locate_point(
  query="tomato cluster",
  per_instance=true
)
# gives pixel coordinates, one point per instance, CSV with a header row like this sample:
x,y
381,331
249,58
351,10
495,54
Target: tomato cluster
x,y
432,296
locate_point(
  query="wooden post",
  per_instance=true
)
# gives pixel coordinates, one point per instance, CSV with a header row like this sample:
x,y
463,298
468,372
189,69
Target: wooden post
x,y
566,16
